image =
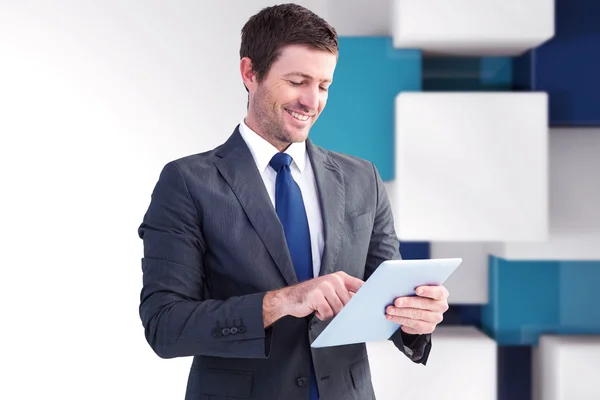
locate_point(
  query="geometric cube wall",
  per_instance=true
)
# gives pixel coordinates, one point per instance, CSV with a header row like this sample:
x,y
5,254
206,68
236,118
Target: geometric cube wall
x,y
545,249
471,166
472,27
462,367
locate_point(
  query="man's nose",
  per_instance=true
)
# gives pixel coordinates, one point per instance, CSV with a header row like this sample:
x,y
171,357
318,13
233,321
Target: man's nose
x,y
310,99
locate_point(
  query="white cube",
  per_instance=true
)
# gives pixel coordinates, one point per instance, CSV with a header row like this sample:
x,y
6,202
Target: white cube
x,y
356,17
560,245
462,366
469,283
574,230
566,368
471,167
472,27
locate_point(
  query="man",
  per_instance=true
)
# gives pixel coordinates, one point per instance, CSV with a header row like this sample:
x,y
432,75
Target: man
x,y
251,248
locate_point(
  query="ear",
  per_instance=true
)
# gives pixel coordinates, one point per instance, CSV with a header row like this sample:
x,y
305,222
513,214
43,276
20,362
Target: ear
x,y
248,75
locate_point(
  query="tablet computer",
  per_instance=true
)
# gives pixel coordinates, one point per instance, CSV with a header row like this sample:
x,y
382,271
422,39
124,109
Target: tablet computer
x,y
363,318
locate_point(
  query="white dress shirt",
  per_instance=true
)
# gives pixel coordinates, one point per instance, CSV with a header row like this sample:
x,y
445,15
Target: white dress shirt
x,y
302,172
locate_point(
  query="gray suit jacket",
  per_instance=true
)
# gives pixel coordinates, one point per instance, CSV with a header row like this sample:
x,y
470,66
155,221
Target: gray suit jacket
x,y
213,247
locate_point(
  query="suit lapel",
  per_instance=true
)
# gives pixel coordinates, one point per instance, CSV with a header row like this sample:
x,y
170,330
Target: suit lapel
x,y
238,168
330,186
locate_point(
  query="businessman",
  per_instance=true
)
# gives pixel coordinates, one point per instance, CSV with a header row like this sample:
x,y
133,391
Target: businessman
x,y
251,248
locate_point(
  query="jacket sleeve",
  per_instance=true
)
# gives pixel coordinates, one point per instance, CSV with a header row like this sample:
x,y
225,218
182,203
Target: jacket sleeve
x,y
384,246
177,319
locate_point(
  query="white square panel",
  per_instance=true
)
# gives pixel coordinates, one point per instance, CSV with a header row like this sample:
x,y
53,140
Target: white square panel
x,y
357,17
566,368
574,232
472,27
471,167
461,366
468,284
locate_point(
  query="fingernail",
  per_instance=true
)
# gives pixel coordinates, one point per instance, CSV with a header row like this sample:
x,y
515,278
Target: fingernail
x,y
419,291
399,302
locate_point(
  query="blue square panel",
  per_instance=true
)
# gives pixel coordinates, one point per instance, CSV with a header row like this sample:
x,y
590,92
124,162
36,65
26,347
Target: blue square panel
x,y
415,250
579,311
359,117
566,67
531,298
462,314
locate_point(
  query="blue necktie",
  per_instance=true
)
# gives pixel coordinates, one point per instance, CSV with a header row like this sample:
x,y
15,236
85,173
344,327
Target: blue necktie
x,y
290,210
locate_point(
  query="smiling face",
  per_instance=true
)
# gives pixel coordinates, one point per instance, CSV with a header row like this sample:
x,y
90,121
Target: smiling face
x,y
287,102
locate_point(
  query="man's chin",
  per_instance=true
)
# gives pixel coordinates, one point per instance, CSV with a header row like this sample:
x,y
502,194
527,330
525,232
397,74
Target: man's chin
x,y
297,135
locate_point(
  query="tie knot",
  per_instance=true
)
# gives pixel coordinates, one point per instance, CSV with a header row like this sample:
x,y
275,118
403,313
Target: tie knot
x,y
280,160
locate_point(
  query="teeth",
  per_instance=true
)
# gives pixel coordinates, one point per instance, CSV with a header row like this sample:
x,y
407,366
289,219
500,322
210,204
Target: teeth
x,y
298,116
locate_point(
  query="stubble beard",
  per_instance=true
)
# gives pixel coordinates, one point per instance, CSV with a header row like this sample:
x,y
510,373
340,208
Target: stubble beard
x,y
271,123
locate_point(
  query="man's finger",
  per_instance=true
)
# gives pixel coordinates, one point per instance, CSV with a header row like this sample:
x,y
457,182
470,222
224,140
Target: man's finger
x,y
343,294
352,284
419,302
414,313
417,326
334,301
433,292
324,311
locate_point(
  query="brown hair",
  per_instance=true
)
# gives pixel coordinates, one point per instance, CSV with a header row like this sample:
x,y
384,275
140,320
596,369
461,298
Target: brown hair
x,y
271,29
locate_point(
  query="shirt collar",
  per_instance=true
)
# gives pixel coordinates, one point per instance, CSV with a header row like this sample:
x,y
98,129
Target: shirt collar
x,y
263,151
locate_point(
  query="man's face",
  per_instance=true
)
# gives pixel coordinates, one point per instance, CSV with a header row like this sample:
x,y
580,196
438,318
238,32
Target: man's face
x,y
292,95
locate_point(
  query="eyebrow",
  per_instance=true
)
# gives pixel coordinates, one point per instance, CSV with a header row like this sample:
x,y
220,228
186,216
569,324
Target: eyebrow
x,y
307,76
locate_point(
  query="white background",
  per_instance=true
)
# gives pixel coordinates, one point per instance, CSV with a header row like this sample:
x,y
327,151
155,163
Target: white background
x,y
95,97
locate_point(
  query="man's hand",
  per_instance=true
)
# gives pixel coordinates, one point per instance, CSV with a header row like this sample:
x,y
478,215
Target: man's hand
x,y
326,295
421,313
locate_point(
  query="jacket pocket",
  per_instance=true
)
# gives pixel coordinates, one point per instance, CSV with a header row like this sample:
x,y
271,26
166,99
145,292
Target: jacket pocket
x,y
362,221
360,373
226,383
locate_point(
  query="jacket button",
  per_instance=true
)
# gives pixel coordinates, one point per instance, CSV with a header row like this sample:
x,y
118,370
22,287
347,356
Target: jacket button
x,y
241,329
216,332
302,381
225,331
233,331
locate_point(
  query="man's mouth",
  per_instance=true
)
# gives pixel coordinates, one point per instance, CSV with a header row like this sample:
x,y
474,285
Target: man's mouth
x,y
300,117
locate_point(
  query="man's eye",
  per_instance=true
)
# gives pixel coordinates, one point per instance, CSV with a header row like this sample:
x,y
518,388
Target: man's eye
x,y
324,89
295,83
